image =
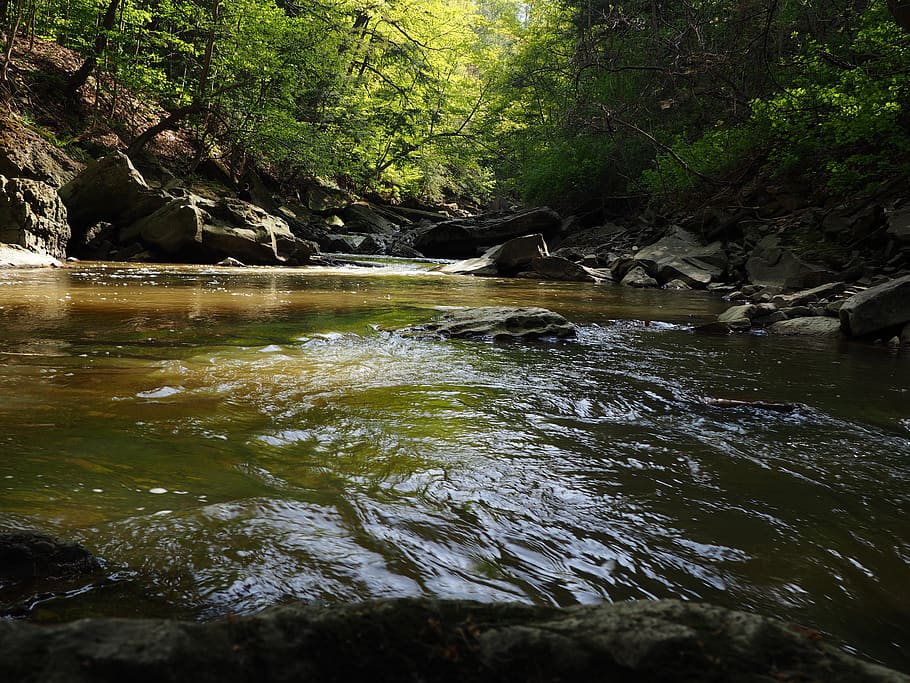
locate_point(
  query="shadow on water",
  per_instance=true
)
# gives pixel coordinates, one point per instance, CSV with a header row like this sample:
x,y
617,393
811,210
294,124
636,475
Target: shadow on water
x,y
232,439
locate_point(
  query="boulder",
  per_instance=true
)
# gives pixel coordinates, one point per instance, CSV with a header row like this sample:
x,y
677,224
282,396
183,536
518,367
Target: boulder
x,y
775,266
558,268
25,154
808,296
505,259
238,229
366,219
15,256
32,216
737,313
174,230
193,229
681,255
501,323
110,190
877,309
638,277
541,220
25,555
435,640
449,239
816,326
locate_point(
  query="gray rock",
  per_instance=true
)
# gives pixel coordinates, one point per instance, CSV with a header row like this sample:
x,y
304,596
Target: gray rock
x,y
505,259
174,230
110,190
769,319
905,335
738,313
25,154
638,277
541,220
558,268
776,266
681,255
808,296
499,323
366,219
678,285
450,239
15,256
429,640
877,309
193,229
815,326
32,216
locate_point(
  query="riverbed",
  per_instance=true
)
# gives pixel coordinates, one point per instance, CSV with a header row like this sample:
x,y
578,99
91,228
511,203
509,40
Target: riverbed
x,y
228,439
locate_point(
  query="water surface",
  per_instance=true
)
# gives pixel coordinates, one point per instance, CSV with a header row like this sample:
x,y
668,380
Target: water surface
x,y
229,439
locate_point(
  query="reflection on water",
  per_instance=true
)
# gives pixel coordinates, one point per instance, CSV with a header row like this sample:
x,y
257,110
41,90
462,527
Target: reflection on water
x,y
229,439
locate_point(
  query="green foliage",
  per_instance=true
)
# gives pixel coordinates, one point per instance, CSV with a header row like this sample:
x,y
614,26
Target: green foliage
x,y
713,154
843,115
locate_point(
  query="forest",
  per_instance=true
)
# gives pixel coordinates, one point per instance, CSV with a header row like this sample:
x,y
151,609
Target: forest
x,y
565,103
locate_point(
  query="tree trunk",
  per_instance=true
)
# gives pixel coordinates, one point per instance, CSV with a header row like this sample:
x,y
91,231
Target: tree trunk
x,y
78,79
11,43
167,123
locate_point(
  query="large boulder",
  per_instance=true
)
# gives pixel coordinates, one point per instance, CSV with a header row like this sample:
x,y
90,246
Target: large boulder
x,y
505,259
680,255
663,641
25,154
174,230
110,190
366,219
772,265
449,239
878,309
195,229
32,216
500,323
541,220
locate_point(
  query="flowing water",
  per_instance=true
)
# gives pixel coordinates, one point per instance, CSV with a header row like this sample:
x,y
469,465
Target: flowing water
x,y
230,439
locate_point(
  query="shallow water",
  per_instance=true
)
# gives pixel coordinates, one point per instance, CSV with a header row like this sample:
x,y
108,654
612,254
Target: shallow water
x,y
228,439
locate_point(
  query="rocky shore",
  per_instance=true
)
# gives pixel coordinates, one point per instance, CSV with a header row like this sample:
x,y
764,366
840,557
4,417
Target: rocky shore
x,y
788,266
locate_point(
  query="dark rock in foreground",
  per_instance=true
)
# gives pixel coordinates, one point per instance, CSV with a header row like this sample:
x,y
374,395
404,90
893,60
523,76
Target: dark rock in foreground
x,y
427,640
499,323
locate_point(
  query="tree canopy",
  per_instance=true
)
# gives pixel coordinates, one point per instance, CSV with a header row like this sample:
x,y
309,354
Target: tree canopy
x,y
555,101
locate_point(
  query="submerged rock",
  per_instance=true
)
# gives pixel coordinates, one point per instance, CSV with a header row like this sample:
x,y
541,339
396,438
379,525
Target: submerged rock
x,y
499,323
28,555
429,640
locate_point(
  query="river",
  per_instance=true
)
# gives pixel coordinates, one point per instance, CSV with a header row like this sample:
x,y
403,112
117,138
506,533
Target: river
x,y
229,439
